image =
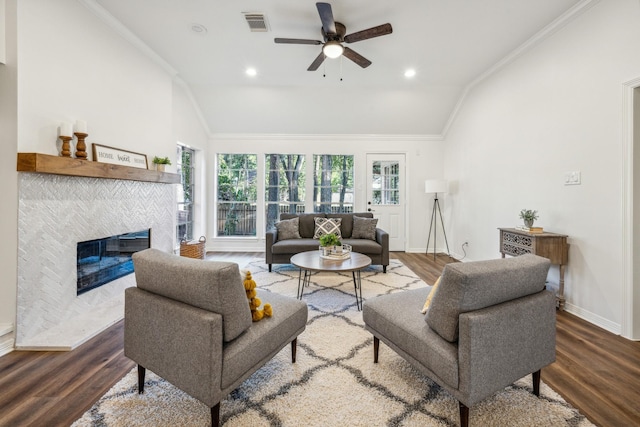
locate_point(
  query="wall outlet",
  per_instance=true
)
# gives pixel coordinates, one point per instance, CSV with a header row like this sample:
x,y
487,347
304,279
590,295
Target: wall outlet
x,y
572,178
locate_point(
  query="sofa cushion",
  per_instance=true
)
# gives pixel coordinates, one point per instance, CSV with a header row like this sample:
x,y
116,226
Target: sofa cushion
x,y
212,286
364,228
288,229
294,246
307,224
427,303
327,226
396,318
264,337
471,286
363,246
346,227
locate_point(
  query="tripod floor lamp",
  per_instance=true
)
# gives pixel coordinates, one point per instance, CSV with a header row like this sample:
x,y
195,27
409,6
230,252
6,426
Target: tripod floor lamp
x,y
436,186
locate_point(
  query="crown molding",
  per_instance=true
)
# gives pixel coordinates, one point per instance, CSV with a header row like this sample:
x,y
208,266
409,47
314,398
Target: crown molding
x,y
324,137
129,36
560,22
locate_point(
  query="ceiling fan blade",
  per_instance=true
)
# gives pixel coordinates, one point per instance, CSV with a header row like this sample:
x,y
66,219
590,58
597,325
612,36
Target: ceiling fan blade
x,y
316,62
296,41
380,30
326,16
356,57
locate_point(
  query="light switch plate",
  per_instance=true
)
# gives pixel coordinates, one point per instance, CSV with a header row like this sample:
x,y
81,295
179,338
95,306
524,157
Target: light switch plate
x,y
572,178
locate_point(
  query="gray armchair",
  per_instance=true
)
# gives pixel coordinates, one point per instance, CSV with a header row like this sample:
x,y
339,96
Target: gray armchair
x,y
189,321
489,324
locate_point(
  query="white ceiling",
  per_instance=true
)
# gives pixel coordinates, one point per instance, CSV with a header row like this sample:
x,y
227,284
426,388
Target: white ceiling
x,y
449,43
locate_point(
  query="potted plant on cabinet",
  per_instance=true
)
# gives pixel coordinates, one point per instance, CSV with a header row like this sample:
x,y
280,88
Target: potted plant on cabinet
x,y
529,216
161,162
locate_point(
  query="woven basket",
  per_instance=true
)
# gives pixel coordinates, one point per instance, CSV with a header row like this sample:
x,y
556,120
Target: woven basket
x,y
193,249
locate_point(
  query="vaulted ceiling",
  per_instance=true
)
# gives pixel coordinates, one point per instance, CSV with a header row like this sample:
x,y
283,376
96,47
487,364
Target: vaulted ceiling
x,y
449,44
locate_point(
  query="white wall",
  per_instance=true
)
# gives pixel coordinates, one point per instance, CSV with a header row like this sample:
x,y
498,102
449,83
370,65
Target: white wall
x,y
69,65
557,108
424,160
189,129
72,66
8,174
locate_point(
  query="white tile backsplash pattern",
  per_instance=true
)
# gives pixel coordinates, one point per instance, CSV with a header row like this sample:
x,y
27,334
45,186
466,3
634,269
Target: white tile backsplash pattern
x,y
55,213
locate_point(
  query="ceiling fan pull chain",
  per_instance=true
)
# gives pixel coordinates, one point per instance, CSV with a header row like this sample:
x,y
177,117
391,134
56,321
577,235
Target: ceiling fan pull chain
x,y
341,67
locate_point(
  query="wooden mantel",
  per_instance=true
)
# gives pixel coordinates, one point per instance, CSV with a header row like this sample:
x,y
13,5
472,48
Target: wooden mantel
x,y
45,163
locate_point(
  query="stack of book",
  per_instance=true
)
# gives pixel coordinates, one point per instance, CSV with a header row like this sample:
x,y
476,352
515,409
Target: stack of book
x,y
534,230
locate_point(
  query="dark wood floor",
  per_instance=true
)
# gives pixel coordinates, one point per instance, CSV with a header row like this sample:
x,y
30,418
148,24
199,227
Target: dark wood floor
x,y
596,371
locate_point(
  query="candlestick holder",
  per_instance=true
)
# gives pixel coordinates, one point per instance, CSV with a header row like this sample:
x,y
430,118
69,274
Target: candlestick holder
x,y
66,147
81,147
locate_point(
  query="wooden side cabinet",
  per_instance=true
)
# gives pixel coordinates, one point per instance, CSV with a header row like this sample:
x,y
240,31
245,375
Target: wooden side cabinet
x,y
549,245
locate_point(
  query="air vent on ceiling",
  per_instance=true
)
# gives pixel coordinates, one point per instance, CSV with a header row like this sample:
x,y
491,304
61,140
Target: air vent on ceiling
x,y
257,21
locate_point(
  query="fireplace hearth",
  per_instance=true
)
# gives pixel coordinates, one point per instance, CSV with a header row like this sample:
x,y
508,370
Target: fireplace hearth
x,y
101,261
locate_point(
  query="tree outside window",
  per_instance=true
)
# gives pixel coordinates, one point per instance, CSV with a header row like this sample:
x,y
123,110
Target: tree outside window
x,y
333,183
236,194
284,186
184,220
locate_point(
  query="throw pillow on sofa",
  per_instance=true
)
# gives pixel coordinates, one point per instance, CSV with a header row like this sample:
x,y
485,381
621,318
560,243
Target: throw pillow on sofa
x,y
288,229
364,228
327,226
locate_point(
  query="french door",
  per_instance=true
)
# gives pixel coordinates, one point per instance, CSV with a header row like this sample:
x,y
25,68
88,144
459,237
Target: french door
x,y
386,195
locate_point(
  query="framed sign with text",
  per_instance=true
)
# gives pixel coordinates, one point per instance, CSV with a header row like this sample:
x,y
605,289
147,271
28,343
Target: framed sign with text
x,y
116,156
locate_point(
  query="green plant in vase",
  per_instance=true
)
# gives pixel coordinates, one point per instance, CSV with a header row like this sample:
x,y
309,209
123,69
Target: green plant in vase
x,y
161,162
529,216
328,242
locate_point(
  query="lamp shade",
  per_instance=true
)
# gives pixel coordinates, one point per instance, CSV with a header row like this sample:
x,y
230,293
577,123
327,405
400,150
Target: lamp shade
x,y
436,186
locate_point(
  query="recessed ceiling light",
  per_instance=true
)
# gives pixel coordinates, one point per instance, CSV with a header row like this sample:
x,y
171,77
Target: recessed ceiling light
x,y
251,72
199,29
410,73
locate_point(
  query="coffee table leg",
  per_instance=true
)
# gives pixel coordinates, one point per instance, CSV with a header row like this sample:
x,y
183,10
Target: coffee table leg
x,y
303,281
357,285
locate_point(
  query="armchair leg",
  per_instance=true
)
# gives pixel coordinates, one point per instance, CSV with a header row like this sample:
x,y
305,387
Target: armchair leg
x,y
215,416
141,373
536,382
464,415
384,268
269,268
376,348
294,346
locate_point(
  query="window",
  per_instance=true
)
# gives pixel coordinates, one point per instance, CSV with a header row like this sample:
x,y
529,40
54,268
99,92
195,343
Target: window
x,y
236,194
184,221
386,183
284,186
333,183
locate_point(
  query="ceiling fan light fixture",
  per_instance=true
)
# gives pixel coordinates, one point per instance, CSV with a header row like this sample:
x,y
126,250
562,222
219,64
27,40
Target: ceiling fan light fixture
x,y
332,49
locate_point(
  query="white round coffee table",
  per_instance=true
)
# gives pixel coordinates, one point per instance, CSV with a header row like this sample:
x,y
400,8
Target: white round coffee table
x,y
310,261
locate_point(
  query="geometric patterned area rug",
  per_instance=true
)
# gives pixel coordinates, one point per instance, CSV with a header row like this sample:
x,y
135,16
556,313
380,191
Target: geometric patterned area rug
x,y
334,381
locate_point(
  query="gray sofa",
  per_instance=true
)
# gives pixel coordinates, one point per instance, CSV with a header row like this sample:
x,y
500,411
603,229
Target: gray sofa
x,y
280,251
489,324
189,321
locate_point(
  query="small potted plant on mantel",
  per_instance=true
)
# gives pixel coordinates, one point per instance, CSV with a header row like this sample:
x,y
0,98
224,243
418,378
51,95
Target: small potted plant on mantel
x,y
528,216
161,162
328,242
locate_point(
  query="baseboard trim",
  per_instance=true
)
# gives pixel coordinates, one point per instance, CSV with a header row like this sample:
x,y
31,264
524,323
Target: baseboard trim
x,y
614,328
7,344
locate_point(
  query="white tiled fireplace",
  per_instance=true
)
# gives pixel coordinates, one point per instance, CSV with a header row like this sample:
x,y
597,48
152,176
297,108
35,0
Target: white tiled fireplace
x,y
55,213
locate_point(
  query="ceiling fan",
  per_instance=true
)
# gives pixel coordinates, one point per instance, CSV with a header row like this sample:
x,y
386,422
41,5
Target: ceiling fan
x,y
333,34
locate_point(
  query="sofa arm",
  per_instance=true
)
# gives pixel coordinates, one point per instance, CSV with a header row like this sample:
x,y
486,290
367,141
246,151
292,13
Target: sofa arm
x,y
179,342
382,237
502,343
271,237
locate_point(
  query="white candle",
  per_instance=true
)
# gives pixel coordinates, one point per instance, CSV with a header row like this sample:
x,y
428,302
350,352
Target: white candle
x,y
65,129
81,126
